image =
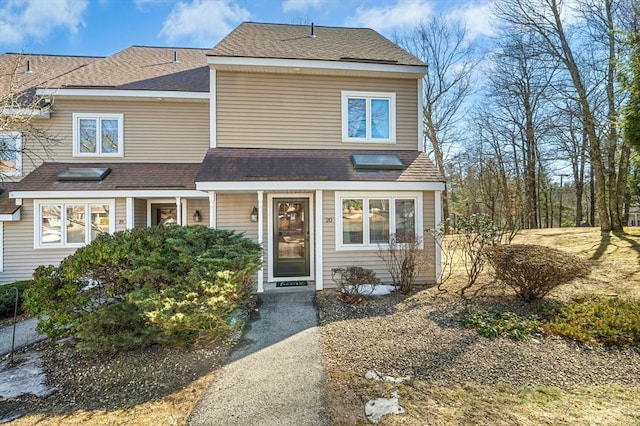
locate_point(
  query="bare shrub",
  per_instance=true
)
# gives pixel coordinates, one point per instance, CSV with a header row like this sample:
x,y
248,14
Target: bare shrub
x,y
352,281
405,260
532,271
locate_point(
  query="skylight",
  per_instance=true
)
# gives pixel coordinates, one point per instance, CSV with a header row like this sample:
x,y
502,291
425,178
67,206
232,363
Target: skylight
x,y
377,162
84,174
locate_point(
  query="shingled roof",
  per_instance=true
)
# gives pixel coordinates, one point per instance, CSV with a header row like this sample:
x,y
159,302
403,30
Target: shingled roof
x,y
144,68
123,176
7,205
257,164
21,74
259,40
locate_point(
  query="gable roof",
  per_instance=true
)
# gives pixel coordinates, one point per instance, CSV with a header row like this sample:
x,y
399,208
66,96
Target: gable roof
x,y
16,81
280,41
143,68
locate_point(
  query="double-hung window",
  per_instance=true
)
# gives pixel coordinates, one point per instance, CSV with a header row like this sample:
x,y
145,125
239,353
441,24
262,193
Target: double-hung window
x,y
368,117
10,153
371,220
72,223
98,135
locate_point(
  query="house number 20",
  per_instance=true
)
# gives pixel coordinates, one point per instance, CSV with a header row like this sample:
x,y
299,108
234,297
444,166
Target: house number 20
x,y
328,220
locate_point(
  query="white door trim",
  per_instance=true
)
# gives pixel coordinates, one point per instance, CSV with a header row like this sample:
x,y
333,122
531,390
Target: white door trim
x,y
270,260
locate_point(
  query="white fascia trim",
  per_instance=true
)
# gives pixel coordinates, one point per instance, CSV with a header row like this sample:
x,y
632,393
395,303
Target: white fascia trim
x,y
13,217
320,185
421,140
123,93
141,193
306,63
27,112
213,112
319,220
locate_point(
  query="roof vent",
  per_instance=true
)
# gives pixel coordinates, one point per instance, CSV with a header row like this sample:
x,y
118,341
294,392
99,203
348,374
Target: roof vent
x,y
175,57
28,70
313,33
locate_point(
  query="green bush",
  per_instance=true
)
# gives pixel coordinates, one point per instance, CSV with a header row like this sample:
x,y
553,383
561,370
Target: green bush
x,y
8,298
502,324
351,280
172,285
609,321
532,271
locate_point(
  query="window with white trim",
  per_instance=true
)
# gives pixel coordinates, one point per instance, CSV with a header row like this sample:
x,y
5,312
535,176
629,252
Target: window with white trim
x,y
72,223
367,221
98,135
11,153
368,117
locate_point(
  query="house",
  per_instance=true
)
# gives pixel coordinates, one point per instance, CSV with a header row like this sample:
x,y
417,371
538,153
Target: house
x,y
308,139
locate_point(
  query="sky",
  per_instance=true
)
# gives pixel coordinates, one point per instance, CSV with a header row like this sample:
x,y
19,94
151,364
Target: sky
x,y
104,27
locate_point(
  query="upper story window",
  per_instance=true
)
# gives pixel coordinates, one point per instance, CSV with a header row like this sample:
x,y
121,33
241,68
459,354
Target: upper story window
x,y
98,135
11,153
368,117
72,223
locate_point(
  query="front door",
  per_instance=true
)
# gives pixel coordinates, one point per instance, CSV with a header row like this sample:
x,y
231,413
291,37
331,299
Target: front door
x,y
291,237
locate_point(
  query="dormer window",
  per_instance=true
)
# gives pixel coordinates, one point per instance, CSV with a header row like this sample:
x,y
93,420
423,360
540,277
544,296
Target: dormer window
x,y
98,135
368,117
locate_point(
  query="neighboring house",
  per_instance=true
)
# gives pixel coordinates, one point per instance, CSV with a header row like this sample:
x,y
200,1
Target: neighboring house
x,y
308,140
634,216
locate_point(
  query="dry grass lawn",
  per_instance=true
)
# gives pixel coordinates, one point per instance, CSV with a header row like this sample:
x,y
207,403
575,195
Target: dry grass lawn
x,y
616,272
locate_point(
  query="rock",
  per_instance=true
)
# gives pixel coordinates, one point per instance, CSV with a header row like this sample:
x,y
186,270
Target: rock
x,y
377,408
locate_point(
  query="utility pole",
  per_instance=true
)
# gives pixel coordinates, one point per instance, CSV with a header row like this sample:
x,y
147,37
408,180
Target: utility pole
x,y
561,191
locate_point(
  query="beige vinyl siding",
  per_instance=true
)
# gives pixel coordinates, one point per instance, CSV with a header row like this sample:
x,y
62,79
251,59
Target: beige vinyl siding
x,y
368,258
202,205
121,214
20,258
176,132
232,212
297,111
139,213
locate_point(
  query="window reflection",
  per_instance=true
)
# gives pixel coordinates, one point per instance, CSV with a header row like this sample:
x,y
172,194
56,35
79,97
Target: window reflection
x,y
352,222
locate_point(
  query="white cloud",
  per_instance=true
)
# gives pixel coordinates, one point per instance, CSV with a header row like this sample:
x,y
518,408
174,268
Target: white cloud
x,y
478,19
402,13
203,21
21,20
301,5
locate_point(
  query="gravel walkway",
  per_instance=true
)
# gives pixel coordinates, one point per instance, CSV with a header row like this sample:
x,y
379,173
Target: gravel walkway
x,y
420,336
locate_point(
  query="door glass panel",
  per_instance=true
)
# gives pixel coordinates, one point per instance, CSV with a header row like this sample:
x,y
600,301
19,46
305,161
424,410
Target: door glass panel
x,y
291,230
352,222
378,221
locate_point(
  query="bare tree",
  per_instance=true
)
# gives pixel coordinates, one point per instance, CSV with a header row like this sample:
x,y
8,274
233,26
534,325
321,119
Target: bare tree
x,y
25,139
583,41
450,57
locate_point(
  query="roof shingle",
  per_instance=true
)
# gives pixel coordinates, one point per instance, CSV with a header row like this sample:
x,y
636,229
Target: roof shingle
x,y
123,176
144,68
280,41
256,164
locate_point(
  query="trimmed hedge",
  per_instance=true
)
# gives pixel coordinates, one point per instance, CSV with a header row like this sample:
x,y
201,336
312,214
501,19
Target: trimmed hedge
x,y
8,298
171,285
532,271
